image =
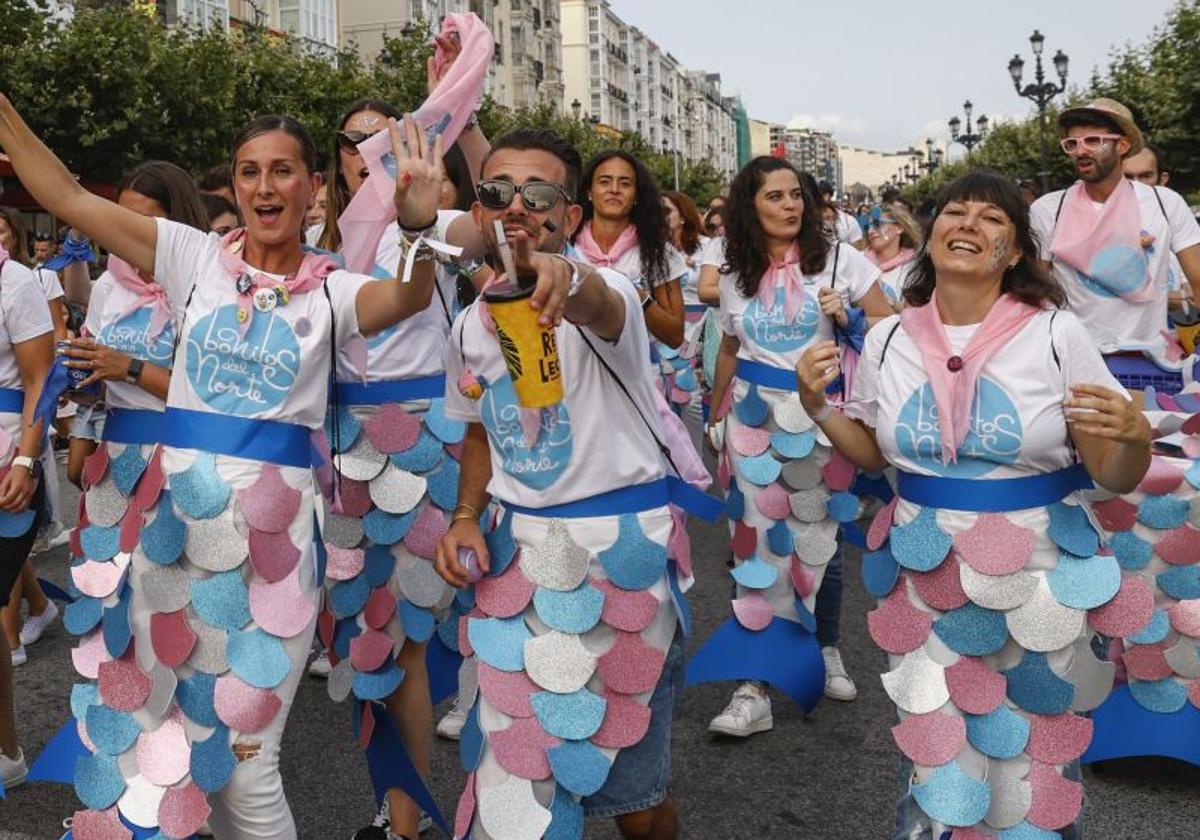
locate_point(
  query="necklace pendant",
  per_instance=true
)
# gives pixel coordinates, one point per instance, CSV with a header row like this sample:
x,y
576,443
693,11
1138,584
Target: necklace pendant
x,y
265,300
243,284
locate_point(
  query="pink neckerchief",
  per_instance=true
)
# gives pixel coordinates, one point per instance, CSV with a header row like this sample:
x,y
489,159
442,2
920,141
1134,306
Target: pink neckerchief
x,y
445,112
3,256
594,255
954,383
905,255
314,268
1081,237
147,293
786,274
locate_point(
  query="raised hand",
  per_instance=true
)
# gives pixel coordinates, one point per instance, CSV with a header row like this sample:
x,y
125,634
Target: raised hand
x,y
419,173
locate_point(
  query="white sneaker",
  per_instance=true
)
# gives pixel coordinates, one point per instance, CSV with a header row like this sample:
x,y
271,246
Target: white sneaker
x,y
380,827
50,537
320,666
36,625
204,830
838,685
451,724
748,712
19,656
13,770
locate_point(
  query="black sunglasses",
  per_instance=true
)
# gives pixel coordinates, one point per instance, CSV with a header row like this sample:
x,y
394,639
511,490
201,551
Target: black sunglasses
x,y
537,196
349,140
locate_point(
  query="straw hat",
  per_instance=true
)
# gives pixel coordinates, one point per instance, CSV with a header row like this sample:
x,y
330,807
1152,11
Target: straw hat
x,y
1108,110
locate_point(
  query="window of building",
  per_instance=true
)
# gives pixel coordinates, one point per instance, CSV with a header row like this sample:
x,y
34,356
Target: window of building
x,y
205,12
313,20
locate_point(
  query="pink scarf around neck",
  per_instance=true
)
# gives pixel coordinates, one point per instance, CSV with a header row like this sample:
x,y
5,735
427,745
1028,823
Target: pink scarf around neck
x,y
148,293
906,255
3,255
445,112
954,382
786,274
314,268
1105,248
591,251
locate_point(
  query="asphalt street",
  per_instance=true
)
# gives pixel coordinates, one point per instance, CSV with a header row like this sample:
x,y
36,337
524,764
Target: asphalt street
x,y
828,776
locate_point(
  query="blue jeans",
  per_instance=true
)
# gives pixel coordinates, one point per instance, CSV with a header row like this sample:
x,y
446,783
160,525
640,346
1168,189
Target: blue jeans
x,y
828,610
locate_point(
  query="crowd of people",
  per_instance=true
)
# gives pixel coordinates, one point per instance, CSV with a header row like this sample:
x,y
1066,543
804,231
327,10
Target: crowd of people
x,y
447,391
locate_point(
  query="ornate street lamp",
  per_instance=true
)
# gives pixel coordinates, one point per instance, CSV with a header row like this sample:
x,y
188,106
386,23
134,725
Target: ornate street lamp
x,y
1041,91
968,138
576,106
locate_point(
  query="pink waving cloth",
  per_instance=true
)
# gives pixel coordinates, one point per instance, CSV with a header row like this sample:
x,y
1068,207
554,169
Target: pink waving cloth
x,y
149,293
906,255
786,274
593,254
1105,248
954,390
445,112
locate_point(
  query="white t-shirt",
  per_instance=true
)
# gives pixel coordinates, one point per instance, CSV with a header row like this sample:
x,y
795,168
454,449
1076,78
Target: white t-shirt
x,y
23,316
51,285
846,228
892,281
713,252
1017,425
416,346
595,442
129,333
689,282
1116,323
764,334
630,264
279,369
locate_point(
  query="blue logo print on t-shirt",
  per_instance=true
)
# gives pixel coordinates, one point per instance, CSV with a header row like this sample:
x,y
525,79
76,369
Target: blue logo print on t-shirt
x,y
994,432
769,329
129,336
1116,270
536,466
242,375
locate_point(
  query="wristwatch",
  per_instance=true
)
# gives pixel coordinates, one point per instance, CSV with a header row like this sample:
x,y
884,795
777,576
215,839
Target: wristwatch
x,y
135,371
32,464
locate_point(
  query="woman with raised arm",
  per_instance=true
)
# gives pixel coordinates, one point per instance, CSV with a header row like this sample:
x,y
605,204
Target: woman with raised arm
x,y
784,285
623,229
210,574
996,409
26,352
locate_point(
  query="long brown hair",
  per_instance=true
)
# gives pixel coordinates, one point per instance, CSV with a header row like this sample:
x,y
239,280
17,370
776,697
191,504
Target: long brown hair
x,y
20,252
746,244
337,194
689,231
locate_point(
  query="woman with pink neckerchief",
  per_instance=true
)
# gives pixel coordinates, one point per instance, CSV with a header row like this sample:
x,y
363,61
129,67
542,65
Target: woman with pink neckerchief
x,y
893,240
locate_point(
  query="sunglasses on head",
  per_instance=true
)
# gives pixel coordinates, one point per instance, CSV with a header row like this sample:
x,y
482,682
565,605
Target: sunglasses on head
x,y
1090,142
349,140
537,196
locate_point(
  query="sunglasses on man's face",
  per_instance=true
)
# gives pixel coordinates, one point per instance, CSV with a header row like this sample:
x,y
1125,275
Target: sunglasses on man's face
x,y
537,196
349,140
1090,142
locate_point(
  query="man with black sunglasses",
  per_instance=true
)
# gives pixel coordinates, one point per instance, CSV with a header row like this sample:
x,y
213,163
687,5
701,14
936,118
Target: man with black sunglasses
x,y
577,671
1108,240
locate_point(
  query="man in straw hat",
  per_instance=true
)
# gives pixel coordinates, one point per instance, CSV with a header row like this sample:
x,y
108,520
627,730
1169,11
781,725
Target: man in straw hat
x,y
1108,238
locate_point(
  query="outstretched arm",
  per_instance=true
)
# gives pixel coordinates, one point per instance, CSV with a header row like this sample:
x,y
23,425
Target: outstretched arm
x,y
125,233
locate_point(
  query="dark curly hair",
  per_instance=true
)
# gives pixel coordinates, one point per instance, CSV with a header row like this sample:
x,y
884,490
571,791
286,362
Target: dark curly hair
x,y
646,217
746,252
1028,281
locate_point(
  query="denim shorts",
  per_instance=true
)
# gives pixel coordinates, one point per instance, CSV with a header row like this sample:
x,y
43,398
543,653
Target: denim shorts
x,y
639,777
88,423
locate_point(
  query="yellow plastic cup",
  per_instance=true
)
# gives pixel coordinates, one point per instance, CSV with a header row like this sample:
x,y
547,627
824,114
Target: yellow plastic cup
x,y
530,350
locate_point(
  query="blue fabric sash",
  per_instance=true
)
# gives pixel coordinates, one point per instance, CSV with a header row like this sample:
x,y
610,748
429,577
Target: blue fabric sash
x,y
133,425
12,400
391,390
768,376
286,444
992,495
695,307
669,490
